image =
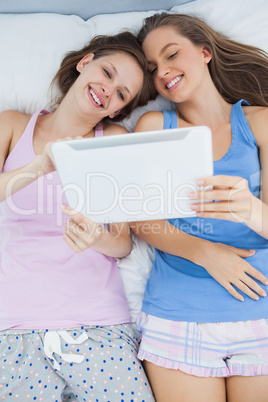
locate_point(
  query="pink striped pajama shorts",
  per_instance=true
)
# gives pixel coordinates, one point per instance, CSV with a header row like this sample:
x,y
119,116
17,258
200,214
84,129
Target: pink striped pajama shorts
x,y
205,349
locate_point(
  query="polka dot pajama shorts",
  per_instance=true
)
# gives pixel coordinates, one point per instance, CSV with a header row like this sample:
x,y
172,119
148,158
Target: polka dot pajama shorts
x,y
92,364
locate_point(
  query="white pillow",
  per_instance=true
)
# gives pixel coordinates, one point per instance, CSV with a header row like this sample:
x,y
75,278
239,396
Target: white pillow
x,y
241,20
33,45
135,269
110,24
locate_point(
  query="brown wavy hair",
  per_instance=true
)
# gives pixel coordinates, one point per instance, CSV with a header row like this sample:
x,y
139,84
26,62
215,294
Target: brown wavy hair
x,y
105,45
238,71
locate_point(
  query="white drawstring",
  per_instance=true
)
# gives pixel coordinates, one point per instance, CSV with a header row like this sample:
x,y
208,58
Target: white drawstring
x,y
52,345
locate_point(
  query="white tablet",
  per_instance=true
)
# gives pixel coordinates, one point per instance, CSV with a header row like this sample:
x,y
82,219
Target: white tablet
x,y
136,176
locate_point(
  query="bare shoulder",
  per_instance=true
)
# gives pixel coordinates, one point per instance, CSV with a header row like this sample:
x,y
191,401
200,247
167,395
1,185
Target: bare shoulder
x,y
13,118
12,125
255,112
150,121
257,118
6,127
112,129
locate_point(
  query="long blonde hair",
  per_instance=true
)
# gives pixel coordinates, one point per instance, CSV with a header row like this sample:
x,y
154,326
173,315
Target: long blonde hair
x,y
238,71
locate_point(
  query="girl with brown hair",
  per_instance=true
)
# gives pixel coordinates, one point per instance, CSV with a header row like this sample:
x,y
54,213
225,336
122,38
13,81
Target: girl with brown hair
x,y
65,326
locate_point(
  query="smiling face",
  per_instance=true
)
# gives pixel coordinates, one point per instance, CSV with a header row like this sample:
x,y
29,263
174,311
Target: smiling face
x,y
107,84
179,67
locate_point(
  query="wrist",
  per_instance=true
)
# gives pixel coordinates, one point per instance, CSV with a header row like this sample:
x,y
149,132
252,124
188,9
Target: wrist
x,y
255,221
201,251
36,166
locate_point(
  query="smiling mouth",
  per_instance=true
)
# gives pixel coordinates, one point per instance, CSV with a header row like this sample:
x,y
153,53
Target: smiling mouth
x,y
173,82
95,98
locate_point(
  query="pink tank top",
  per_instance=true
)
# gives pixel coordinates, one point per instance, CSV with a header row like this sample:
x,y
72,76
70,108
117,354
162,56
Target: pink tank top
x,y
43,283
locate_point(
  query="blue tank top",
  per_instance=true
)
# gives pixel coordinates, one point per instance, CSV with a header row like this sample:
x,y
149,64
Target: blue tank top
x,y
180,290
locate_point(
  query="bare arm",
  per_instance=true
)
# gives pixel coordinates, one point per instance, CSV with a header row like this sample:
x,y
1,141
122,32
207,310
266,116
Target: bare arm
x,y
82,233
235,201
224,263
11,126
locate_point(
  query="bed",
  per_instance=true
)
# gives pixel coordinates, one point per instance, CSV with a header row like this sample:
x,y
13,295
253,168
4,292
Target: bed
x,y
35,35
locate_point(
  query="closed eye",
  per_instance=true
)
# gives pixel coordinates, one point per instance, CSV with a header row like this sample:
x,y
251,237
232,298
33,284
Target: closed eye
x,y
106,72
172,55
153,71
121,95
